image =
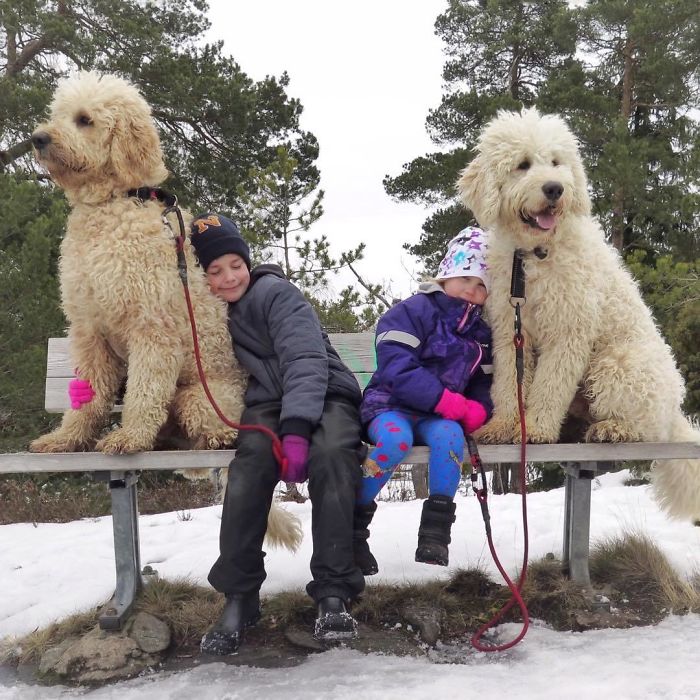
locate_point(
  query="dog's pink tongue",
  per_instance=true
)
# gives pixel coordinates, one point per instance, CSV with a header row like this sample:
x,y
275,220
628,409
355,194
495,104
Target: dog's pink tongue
x,y
546,221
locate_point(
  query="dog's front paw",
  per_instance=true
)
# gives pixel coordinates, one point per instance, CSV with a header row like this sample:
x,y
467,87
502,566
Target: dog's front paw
x,y
611,431
122,441
499,431
216,440
59,441
540,432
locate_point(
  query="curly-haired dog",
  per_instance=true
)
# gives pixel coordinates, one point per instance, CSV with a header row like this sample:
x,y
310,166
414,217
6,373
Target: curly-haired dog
x,y
588,335
120,287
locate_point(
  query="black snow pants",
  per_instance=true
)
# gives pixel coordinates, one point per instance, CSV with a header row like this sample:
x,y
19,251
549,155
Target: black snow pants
x,y
335,457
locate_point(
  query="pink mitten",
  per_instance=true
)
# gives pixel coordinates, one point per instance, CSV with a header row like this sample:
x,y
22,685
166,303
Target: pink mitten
x,y
296,450
80,392
452,406
475,416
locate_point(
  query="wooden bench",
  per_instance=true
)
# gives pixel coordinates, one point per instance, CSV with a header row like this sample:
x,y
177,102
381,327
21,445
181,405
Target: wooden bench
x,y
581,462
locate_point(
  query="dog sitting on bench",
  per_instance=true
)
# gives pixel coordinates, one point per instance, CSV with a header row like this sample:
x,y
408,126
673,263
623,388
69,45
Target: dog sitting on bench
x,y
590,341
120,287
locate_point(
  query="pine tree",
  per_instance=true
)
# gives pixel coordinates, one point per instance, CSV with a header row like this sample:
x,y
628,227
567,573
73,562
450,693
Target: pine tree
x,y
499,54
216,123
633,103
31,223
277,218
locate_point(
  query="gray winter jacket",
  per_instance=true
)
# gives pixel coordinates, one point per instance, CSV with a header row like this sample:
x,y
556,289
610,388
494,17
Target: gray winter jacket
x,y
277,337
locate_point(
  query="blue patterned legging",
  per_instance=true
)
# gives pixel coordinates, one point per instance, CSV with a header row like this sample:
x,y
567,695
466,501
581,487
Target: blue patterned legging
x,y
392,434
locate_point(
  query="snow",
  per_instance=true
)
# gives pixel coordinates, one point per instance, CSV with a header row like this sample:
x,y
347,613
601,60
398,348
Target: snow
x,y
50,571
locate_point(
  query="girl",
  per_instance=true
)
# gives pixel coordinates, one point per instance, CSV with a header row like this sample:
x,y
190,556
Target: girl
x,y
432,383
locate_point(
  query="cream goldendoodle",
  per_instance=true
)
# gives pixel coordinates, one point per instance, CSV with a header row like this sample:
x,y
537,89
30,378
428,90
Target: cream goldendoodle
x,y
120,287
589,338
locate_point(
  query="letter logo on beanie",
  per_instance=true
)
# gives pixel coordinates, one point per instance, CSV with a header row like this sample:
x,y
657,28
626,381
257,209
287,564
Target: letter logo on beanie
x,y
203,224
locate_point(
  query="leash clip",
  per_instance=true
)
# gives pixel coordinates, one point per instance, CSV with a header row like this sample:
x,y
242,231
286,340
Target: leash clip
x,y
517,279
179,238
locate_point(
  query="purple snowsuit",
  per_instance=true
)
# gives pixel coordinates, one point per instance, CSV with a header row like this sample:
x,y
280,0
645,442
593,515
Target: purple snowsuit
x,y
420,353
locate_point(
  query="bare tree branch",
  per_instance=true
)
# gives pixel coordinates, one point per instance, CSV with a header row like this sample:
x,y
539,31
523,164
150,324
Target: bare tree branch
x,y
373,293
11,154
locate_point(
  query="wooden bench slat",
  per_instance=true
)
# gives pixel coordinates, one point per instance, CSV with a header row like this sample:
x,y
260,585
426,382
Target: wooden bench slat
x,y
208,459
58,362
355,349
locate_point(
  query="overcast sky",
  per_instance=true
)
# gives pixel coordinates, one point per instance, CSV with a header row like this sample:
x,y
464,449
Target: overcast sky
x,y
366,72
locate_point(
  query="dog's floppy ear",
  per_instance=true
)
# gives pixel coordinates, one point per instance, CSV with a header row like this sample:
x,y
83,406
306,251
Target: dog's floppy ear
x,y
136,154
580,201
477,193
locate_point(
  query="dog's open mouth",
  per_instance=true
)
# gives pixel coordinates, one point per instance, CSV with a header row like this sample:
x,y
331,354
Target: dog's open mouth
x,y
544,220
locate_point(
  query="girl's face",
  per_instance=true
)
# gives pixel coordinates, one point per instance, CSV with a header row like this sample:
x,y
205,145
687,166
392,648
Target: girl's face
x,y
470,289
228,277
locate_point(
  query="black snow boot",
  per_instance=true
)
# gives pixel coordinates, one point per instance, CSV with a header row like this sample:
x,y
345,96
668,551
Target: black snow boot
x,y
333,621
364,558
434,531
240,611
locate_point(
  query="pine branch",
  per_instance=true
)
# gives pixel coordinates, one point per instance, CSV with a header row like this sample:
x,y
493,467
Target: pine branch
x,y
372,292
14,152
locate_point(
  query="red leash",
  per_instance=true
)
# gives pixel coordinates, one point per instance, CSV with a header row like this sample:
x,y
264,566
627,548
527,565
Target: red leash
x,y
182,269
517,291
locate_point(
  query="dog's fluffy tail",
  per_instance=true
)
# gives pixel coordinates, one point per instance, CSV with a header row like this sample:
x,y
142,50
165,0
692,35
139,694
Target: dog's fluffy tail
x,y
283,529
676,482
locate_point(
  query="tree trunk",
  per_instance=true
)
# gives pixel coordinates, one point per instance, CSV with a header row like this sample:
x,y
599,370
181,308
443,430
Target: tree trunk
x,y
499,480
515,478
419,475
618,221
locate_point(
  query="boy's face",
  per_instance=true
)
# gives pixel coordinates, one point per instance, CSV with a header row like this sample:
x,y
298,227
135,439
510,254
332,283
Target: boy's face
x,y
228,277
470,289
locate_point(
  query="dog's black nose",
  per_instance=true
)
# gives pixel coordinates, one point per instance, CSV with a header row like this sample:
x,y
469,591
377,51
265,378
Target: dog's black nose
x,y
40,139
553,190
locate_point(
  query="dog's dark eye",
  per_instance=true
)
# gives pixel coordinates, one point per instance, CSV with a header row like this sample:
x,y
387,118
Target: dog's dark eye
x,y
524,165
555,162
83,120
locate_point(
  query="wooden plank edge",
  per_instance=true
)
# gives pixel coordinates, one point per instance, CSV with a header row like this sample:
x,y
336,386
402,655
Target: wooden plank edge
x,y
26,462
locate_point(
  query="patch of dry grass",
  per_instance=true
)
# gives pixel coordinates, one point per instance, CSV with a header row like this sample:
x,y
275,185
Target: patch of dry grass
x,y
188,609
630,564
61,498
636,567
29,649
550,595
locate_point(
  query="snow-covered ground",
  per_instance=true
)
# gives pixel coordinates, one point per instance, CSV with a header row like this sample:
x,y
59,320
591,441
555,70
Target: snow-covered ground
x,y
49,571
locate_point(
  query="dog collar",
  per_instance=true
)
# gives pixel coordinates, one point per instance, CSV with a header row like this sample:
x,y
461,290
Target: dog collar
x,y
145,194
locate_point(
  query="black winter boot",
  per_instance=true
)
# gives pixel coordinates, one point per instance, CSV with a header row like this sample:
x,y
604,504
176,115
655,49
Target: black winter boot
x,y
240,611
364,558
434,531
333,621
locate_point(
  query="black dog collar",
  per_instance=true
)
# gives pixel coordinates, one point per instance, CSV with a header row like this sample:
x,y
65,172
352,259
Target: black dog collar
x,y
145,194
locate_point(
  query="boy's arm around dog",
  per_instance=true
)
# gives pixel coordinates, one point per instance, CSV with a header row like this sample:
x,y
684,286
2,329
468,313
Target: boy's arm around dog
x,y
277,337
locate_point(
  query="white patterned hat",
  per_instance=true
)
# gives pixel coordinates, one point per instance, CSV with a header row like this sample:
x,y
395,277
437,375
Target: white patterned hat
x,y
465,256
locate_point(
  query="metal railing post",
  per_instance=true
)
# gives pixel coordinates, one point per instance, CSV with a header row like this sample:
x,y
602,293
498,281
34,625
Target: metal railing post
x,y
577,520
125,522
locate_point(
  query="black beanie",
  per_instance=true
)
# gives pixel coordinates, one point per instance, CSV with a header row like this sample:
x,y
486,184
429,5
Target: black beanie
x,y
213,235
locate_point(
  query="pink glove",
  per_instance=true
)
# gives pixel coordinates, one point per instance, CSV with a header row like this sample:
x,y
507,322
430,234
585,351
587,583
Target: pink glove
x,y
474,418
452,406
80,392
296,450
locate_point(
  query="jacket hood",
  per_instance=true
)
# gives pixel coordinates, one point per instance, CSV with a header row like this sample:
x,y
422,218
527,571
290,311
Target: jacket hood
x,y
267,269
430,288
